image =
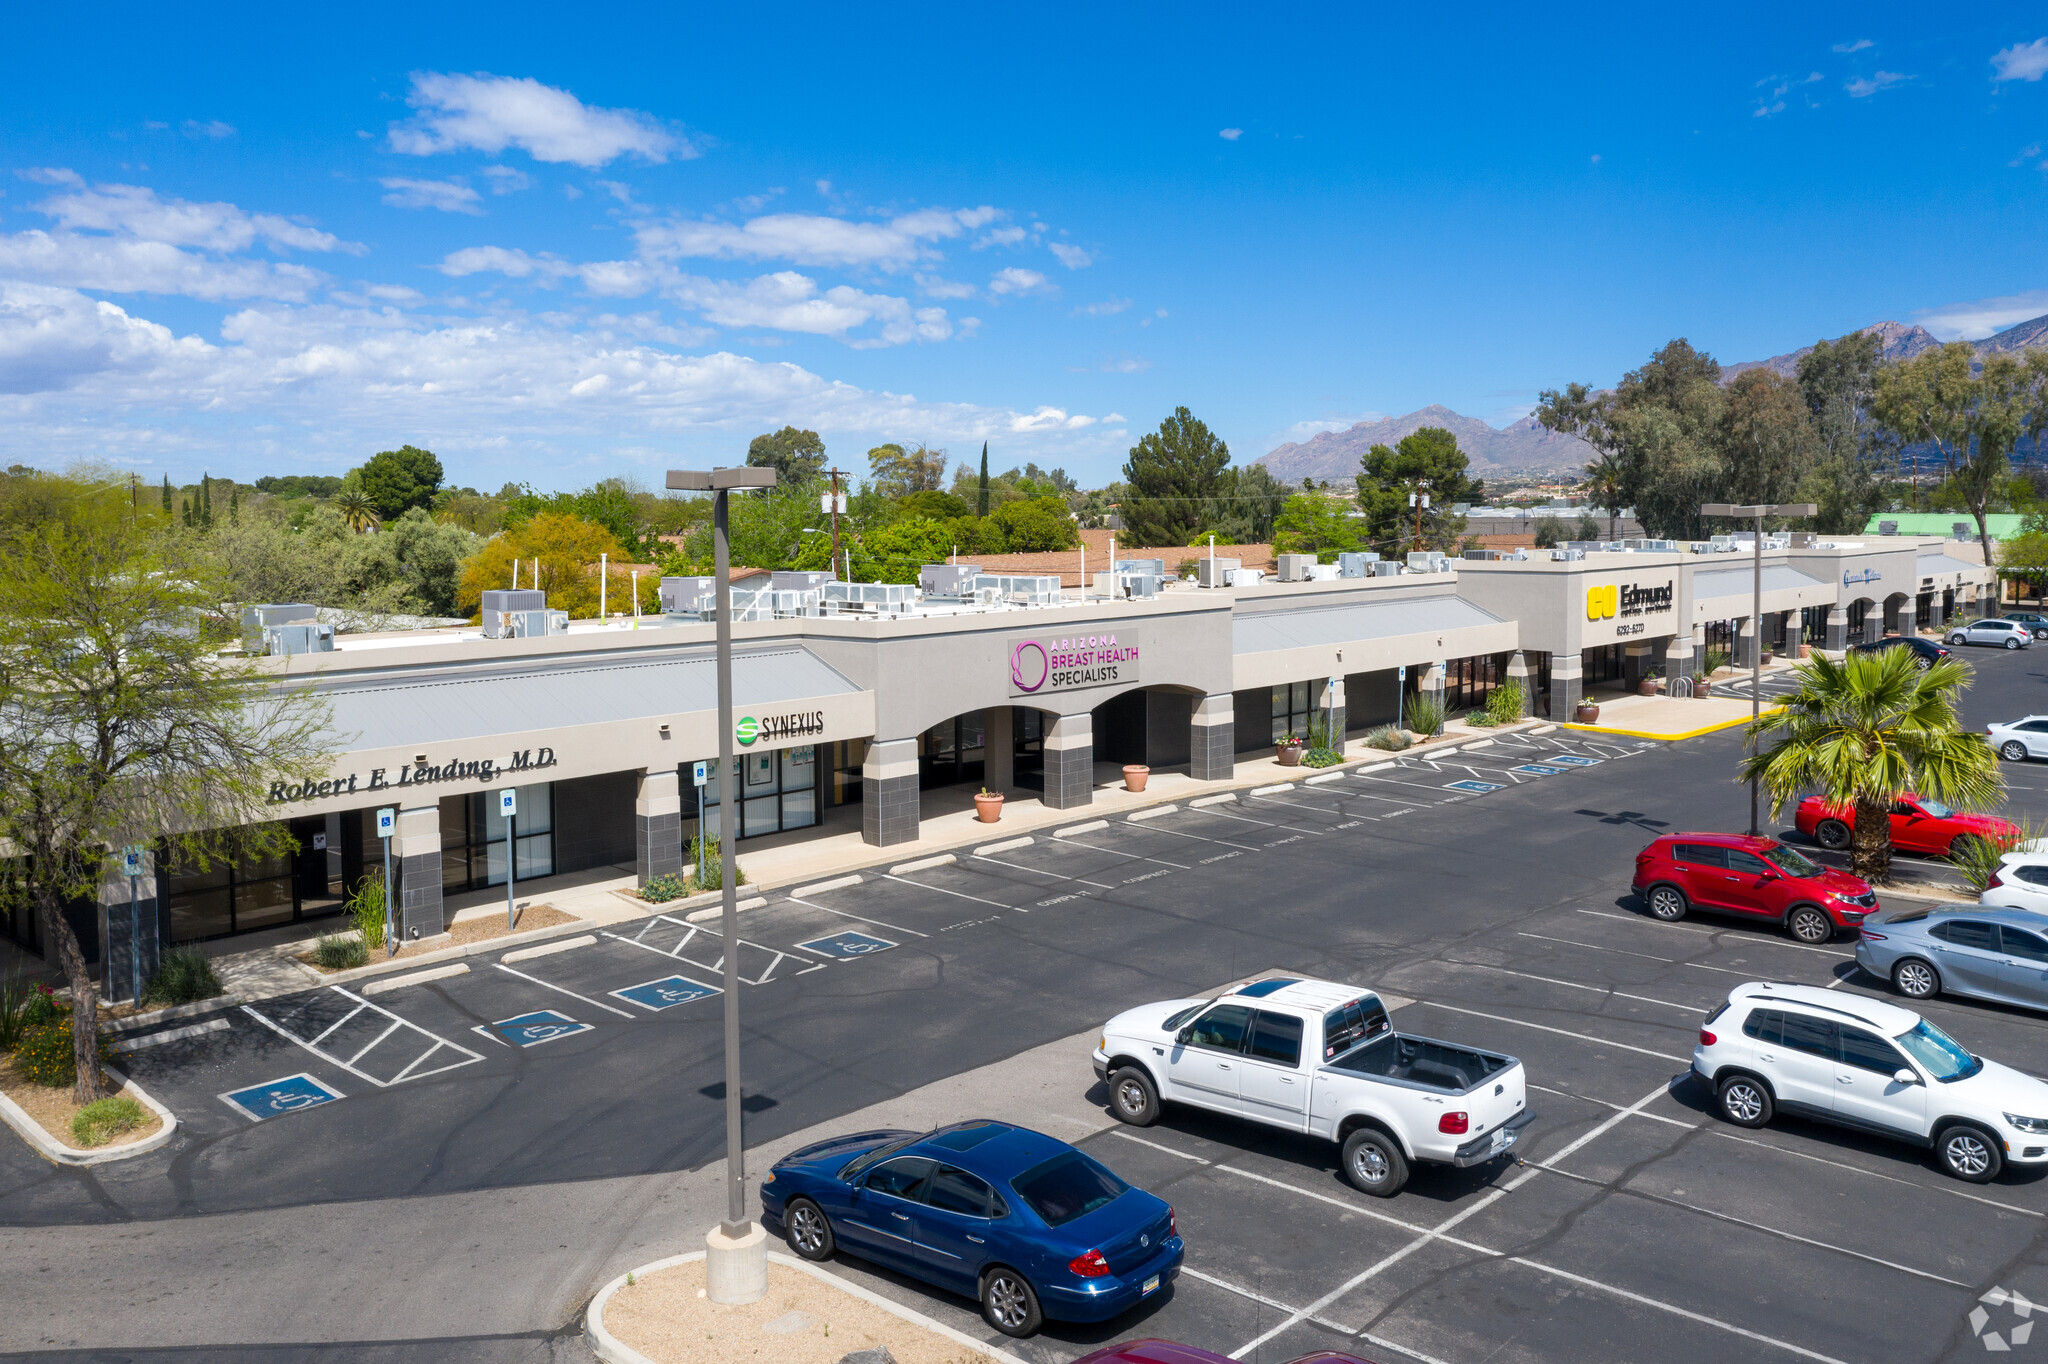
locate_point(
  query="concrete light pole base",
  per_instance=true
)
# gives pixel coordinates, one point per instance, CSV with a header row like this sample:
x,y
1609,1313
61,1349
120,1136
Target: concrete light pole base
x,y
736,1267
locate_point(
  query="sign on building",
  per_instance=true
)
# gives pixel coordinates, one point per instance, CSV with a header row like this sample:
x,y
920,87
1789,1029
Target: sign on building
x,y
1042,664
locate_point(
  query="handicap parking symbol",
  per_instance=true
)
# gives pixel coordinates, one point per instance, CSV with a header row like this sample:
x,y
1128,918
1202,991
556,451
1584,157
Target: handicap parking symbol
x,y
530,1030
1477,788
666,993
1573,760
274,1098
844,945
1537,770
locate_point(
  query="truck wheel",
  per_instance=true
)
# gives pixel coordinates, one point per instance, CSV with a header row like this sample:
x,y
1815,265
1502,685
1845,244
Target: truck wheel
x,y
1373,1164
1133,1098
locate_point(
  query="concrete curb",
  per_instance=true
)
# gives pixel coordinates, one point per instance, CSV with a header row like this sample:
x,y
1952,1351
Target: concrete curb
x,y
612,1350
1665,738
169,1014
57,1153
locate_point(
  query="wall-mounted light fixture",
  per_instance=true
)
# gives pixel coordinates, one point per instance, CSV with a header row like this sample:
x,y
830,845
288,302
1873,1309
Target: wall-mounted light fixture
x,y
664,731
419,757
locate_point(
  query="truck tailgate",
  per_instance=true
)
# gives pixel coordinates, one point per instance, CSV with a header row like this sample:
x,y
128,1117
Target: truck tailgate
x,y
1497,1101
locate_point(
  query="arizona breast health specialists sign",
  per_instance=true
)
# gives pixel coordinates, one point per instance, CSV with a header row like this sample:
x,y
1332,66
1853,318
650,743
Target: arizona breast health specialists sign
x,y
1042,664
1629,604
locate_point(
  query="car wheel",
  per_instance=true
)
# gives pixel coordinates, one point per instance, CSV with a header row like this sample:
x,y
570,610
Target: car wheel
x,y
2011,643
1745,1101
1970,1154
1922,664
2013,751
1957,638
1832,834
1809,925
808,1229
1373,1164
1667,903
1008,1304
1133,1097
1916,979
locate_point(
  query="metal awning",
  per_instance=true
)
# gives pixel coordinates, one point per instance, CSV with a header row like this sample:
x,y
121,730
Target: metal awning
x,y
470,701
1934,565
1740,582
1270,631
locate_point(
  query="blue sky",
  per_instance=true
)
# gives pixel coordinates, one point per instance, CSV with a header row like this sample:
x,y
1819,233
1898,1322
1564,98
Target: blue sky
x,y
556,246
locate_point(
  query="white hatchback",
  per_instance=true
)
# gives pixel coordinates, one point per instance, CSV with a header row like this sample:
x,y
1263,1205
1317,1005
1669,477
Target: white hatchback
x,y
2003,634
2021,882
2018,740
1866,1064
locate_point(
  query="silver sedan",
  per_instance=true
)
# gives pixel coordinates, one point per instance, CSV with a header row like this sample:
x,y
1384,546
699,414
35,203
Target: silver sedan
x,y
1980,950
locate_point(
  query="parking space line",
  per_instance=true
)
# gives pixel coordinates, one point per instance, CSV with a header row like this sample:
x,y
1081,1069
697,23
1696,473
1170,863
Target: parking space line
x,y
372,1043
1647,956
1605,1103
1873,1174
1716,932
332,1026
1574,985
397,1023
332,1060
1297,828
550,985
1273,1303
962,895
1072,842
1561,1032
862,918
1204,838
1057,876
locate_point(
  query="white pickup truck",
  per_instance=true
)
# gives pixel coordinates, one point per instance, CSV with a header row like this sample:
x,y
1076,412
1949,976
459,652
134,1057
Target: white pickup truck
x,y
1318,1057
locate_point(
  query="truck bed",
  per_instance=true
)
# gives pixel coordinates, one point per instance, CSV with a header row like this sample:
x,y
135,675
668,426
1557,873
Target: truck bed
x,y
1422,1062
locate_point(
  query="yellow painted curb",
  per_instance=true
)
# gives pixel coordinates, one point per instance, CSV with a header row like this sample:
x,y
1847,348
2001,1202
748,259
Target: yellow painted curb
x,y
1669,738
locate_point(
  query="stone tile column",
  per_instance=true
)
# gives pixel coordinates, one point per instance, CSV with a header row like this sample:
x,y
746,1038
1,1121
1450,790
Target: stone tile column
x,y
1567,684
890,805
1909,617
1873,623
1523,673
1635,663
658,825
1212,739
1070,761
1679,659
1795,633
999,748
1745,642
1838,629
131,934
416,865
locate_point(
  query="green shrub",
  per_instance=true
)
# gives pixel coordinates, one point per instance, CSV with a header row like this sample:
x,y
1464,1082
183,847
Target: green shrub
x,y
43,1007
1425,714
341,951
661,889
366,908
1714,658
714,864
101,1121
1321,757
184,976
23,1006
1388,739
43,1055
1504,707
1481,720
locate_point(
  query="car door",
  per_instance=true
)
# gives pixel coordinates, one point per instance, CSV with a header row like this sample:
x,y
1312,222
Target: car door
x,y
882,1221
2034,734
1966,952
2023,966
1204,1069
1703,868
1866,1094
953,1228
1914,830
1754,885
1272,1085
1796,1053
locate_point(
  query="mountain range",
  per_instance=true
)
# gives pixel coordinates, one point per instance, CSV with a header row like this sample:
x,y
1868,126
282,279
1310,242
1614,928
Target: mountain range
x,y
1524,446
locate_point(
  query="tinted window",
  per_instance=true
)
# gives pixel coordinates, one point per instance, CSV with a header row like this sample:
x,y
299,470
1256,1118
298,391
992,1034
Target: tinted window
x,y
1277,1037
1971,933
853,1168
1747,864
1347,1025
957,1191
1805,1033
901,1177
1763,1025
1702,855
2020,943
2036,876
1868,1051
1222,1028
1790,862
1068,1186
2033,727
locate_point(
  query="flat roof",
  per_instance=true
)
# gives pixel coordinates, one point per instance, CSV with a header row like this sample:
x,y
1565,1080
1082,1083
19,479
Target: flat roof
x,y
1305,626
1732,582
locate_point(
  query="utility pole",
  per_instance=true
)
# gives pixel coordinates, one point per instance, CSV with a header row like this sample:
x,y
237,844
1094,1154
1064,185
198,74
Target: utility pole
x,y
1756,606
837,474
1420,501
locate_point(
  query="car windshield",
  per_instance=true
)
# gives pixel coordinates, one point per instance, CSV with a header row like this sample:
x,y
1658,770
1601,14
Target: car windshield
x,y
881,1153
1790,862
1068,1186
1944,1057
1936,809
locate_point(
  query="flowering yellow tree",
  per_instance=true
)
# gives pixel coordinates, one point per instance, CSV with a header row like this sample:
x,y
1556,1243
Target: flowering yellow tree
x,y
568,548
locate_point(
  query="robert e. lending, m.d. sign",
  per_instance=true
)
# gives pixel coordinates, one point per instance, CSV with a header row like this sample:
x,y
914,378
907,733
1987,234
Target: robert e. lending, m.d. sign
x,y
1053,663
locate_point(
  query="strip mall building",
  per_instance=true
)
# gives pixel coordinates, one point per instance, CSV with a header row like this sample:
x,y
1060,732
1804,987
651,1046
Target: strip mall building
x,y
862,719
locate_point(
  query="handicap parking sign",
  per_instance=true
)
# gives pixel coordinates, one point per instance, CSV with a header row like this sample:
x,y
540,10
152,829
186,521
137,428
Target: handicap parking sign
x,y
275,1098
544,1025
844,945
1573,760
1537,770
666,993
1477,788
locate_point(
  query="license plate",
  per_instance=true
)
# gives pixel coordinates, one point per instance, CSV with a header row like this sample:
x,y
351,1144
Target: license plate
x,y
1150,1284
1502,1139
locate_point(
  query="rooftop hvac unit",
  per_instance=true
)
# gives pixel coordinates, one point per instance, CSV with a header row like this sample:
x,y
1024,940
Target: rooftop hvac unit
x,y
948,580
890,597
1386,568
1567,556
1959,530
1887,528
1132,586
1482,555
1804,539
1294,568
799,580
1215,572
257,619
1020,589
1428,561
1245,577
1520,556
306,637
1642,546
1354,565
499,604
1156,567
1323,573
680,596
535,624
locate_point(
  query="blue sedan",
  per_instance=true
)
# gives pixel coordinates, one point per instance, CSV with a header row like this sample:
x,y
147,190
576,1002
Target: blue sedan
x,y
1027,1224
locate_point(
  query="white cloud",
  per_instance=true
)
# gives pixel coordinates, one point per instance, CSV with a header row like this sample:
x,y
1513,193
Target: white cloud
x,y
1862,87
936,287
51,175
491,113
812,239
1979,318
474,260
449,196
2027,153
1109,307
2022,61
120,265
1231,134
1049,419
1016,280
788,301
138,212
1073,257
1002,236
394,293
1114,364
1316,426
1857,46
212,128
53,339
505,180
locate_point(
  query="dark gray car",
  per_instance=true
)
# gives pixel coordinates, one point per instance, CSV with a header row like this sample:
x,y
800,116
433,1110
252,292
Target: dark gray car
x,y
1977,950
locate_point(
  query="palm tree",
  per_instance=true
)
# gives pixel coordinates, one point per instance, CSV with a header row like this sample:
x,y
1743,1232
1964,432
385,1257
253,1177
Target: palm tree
x,y
358,513
1865,730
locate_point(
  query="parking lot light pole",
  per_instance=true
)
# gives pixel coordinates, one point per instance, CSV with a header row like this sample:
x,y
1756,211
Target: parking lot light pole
x,y
1756,604
736,1260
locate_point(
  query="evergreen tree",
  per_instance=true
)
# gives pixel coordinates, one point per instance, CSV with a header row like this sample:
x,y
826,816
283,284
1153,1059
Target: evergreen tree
x,y
206,499
167,492
1172,473
981,498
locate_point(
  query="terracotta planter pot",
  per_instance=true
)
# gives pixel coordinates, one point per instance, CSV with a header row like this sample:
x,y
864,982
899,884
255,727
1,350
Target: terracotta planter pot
x,y
1135,776
1703,691
1289,755
988,809
1767,656
1647,687
1587,715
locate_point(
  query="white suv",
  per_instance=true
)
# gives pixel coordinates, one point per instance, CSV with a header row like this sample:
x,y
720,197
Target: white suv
x,y
1866,1064
2021,882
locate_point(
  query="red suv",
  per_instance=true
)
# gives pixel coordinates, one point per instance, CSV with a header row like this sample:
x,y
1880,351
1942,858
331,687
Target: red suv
x,y
1918,825
1758,878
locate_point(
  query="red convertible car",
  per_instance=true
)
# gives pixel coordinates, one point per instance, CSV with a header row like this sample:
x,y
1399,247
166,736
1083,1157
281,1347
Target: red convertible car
x,y
1918,825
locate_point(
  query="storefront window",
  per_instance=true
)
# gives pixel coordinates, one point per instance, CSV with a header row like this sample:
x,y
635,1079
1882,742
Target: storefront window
x,y
777,789
239,893
473,837
951,752
1292,704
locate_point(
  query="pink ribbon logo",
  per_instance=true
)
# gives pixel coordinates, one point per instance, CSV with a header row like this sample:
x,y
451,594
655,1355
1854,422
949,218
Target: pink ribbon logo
x,y
1025,673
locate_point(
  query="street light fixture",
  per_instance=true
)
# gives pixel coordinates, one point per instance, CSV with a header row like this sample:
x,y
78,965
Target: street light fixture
x,y
736,1261
1756,607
